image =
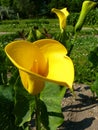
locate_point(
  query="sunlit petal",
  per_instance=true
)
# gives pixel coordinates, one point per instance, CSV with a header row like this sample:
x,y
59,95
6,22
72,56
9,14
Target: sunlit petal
x,y
28,58
33,84
50,46
61,68
23,53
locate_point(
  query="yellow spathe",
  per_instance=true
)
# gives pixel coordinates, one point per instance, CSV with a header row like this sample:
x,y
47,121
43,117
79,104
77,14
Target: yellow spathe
x,y
40,61
62,15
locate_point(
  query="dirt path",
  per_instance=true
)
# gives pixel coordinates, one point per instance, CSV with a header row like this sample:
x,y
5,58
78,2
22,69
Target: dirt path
x,y
80,113
3,33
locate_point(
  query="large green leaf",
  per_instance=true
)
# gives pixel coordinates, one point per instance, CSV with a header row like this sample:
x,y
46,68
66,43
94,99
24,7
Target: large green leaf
x,y
52,96
24,105
7,120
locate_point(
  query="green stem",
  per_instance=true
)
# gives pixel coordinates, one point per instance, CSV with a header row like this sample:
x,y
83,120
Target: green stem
x,y
72,45
37,111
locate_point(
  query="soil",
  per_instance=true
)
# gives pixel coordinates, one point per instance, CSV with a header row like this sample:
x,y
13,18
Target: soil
x,y
80,112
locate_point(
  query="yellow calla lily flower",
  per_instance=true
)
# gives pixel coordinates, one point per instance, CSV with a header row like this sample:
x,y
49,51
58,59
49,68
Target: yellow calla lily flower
x,y
40,61
62,15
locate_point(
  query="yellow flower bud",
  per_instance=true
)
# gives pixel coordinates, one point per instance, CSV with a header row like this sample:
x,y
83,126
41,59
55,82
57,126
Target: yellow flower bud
x,y
62,15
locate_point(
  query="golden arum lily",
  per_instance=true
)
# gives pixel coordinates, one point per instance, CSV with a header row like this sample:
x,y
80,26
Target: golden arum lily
x,y
40,61
62,15
86,7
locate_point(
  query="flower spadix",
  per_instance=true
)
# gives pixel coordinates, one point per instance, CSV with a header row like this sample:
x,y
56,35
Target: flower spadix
x,y
62,15
40,61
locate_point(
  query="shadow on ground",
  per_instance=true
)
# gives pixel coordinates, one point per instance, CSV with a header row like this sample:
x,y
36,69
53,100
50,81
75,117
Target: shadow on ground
x,y
80,125
80,113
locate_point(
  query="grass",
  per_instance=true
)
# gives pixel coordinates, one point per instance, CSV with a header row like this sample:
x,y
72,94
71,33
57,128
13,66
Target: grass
x,y
11,25
84,71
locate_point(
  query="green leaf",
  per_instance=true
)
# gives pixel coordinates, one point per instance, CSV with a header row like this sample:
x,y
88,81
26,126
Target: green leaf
x,y
24,104
52,96
6,92
7,120
44,115
94,87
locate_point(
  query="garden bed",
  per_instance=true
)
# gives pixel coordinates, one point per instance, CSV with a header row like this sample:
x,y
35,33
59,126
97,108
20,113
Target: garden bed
x,y
80,112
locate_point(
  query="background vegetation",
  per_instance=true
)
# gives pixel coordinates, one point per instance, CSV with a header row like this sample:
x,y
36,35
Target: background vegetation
x,y
10,9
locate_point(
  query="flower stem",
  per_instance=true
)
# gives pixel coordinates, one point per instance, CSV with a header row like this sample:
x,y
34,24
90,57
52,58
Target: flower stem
x,y
37,111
